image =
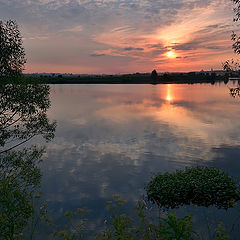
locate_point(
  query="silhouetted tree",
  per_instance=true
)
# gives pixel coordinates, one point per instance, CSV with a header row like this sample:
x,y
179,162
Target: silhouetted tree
x,y
12,54
232,66
23,114
235,38
236,10
235,92
154,75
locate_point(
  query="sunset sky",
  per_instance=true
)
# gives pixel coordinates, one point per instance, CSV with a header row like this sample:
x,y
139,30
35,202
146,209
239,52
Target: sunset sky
x,y
123,36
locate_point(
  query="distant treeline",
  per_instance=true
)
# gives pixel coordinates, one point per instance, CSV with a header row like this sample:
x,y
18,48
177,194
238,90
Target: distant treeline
x,y
133,79
166,78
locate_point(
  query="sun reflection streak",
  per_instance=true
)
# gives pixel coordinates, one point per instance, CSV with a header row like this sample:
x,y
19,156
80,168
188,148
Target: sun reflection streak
x,y
169,96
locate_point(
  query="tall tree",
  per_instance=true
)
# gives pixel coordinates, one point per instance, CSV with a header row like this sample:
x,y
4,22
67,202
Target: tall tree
x,y
236,9
231,66
23,116
235,38
12,54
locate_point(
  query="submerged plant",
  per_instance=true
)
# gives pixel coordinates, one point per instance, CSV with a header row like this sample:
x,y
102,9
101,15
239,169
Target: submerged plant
x,y
144,227
177,228
72,230
222,234
201,186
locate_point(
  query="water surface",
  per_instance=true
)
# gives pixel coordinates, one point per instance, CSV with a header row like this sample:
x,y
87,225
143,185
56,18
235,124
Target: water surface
x,y
111,139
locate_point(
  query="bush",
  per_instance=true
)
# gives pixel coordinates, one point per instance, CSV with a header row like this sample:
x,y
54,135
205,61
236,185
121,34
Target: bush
x,y
201,186
122,226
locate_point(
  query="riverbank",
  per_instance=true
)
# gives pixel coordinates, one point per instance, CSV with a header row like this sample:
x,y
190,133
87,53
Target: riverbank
x,y
171,78
187,78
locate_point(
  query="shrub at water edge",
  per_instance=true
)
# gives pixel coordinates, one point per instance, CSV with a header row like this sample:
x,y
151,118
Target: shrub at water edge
x,y
201,186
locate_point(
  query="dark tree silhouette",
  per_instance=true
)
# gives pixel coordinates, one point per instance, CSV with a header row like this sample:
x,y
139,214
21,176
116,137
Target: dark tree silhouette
x,y
23,114
235,92
232,66
20,178
12,54
154,75
235,38
236,10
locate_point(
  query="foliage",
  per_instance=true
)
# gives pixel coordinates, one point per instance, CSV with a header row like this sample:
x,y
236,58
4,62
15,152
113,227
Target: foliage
x,y
72,231
122,226
236,43
144,227
19,183
222,234
235,92
231,66
177,228
236,9
154,75
12,54
201,186
23,114
21,166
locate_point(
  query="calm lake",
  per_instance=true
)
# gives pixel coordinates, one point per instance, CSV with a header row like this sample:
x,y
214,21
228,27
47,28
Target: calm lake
x,y
111,139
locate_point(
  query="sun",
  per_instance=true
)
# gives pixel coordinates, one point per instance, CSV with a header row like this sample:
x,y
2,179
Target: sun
x,y
171,54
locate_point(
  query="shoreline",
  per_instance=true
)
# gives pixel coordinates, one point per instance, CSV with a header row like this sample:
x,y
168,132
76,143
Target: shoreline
x,y
124,79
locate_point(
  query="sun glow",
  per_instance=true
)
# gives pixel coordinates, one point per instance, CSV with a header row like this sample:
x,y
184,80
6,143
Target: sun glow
x,y
171,54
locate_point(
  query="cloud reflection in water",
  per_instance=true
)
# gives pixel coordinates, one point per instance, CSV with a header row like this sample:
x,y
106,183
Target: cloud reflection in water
x,y
111,139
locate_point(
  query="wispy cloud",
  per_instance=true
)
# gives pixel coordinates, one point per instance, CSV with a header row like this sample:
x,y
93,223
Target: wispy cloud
x,y
76,29
138,32
133,49
97,55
